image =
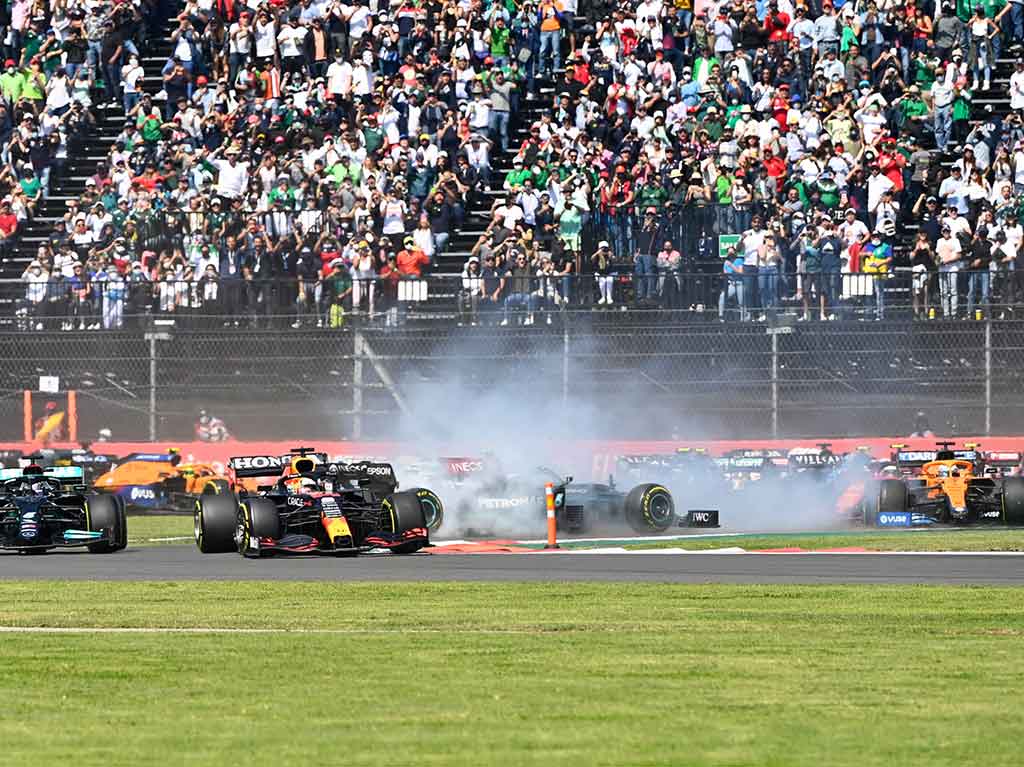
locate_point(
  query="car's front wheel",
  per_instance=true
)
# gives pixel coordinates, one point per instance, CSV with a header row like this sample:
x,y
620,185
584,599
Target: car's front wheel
x,y
650,508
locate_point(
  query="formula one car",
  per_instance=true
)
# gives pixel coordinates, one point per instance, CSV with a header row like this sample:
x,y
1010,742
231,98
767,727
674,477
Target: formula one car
x,y
646,508
691,468
313,507
43,509
146,481
944,486
1002,463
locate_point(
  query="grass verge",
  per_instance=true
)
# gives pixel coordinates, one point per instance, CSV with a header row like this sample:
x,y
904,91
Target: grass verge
x,y
513,674
159,529
992,539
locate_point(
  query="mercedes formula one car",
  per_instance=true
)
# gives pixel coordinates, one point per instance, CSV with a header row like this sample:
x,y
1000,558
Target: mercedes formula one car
x,y
313,507
43,509
647,508
945,486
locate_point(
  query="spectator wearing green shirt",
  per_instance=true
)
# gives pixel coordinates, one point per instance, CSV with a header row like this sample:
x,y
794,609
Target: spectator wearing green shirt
x,y
32,187
515,177
12,82
35,83
570,225
723,200
498,39
913,113
283,192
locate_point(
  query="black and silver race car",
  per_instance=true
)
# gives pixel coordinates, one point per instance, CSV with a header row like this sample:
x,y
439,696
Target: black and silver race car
x,y
313,507
43,509
646,508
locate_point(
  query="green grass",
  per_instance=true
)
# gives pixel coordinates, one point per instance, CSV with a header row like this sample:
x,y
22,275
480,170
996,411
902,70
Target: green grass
x,y
993,539
149,529
513,674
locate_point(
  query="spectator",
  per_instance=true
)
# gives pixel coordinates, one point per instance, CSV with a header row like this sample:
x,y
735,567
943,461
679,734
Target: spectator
x,y
412,260
922,265
947,251
602,264
518,283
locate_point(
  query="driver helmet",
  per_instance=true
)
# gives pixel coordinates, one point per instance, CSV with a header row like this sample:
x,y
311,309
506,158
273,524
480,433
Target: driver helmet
x,y
39,488
955,471
105,435
943,471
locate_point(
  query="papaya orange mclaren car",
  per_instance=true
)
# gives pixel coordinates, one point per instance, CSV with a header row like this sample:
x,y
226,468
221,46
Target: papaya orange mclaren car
x,y
161,481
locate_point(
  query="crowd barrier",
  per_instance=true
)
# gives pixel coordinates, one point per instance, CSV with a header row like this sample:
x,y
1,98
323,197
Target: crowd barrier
x,y
112,303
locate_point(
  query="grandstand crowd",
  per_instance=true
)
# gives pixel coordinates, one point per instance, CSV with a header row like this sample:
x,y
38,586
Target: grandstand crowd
x,y
303,159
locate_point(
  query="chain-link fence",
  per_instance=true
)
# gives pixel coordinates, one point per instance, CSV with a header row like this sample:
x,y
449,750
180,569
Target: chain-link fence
x,y
586,375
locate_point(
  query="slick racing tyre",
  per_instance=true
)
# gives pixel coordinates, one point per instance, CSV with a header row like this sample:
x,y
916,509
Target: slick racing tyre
x,y
216,519
1013,501
400,513
892,499
217,487
433,509
105,513
257,518
650,509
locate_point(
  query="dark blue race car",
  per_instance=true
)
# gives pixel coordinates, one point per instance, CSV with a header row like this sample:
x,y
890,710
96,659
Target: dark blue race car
x,y
43,509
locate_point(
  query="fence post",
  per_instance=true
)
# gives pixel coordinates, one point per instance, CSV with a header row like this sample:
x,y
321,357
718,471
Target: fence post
x,y
153,338
357,386
565,360
988,376
774,333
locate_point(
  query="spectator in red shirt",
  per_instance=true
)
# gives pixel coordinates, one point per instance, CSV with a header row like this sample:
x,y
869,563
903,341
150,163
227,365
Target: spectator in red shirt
x,y
891,163
8,226
775,167
411,260
149,178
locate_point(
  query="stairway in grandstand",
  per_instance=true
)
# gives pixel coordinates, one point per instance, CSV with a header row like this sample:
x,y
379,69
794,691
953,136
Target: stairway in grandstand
x,y
83,159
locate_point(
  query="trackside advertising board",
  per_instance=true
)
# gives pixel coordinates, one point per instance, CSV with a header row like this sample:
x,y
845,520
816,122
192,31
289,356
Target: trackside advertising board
x,y
601,456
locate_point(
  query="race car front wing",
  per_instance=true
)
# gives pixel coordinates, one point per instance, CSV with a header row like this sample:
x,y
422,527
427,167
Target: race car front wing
x,y
296,544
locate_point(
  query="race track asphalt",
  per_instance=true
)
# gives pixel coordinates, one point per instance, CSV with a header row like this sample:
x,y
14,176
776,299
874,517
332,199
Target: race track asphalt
x,y
186,563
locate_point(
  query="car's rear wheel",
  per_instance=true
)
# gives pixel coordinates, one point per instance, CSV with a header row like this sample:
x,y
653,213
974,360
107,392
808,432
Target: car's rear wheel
x,y
257,518
215,521
649,509
105,513
400,513
1013,501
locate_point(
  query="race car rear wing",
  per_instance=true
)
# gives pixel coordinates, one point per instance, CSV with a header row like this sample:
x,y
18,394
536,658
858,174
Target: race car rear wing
x,y
1003,458
71,474
365,473
246,466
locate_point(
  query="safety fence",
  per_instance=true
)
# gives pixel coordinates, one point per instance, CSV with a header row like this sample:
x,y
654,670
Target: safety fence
x,y
596,375
110,302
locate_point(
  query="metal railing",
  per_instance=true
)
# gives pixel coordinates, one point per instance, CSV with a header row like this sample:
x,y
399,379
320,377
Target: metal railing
x,y
115,303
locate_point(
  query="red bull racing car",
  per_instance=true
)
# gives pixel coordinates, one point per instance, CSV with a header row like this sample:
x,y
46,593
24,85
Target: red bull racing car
x,y
312,507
